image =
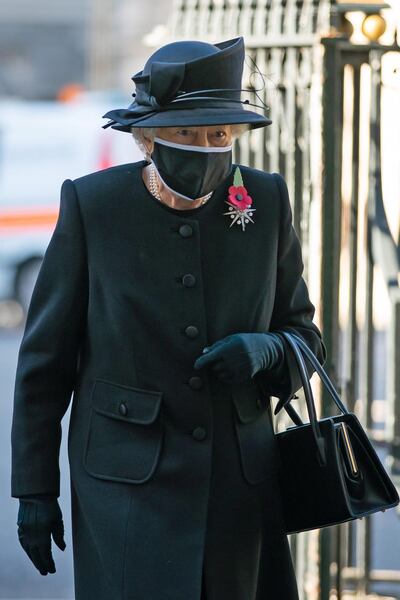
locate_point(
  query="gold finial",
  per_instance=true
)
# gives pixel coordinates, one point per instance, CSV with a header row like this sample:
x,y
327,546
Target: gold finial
x,y
373,26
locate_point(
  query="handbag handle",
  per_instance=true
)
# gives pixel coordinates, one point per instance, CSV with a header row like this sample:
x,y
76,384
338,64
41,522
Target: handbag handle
x,y
321,372
319,439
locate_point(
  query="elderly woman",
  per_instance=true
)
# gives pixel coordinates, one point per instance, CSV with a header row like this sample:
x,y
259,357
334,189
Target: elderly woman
x,y
159,304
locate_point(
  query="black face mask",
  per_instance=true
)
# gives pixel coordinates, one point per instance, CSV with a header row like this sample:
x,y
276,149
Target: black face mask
x,y
191,171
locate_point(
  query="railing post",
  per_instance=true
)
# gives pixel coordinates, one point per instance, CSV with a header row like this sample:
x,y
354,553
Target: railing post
x,y
331,233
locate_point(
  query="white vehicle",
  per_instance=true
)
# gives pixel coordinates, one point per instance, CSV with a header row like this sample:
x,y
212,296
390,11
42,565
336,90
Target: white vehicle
x,y
41,144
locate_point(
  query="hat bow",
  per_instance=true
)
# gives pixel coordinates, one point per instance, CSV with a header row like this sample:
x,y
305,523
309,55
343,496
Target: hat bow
x,y
164,82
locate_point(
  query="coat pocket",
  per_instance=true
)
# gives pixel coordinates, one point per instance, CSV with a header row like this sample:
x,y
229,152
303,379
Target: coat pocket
x,y
124,433
258,447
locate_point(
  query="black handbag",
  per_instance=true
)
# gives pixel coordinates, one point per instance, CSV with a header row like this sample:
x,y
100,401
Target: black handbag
x,y
329,471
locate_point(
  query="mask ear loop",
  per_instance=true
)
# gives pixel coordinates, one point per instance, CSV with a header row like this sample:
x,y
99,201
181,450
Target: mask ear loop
x,y
147,154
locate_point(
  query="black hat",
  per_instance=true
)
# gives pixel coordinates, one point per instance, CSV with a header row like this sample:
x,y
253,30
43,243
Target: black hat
x,y
189,83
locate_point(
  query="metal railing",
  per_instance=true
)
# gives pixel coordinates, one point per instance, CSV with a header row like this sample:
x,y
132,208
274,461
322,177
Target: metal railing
x,y
309,68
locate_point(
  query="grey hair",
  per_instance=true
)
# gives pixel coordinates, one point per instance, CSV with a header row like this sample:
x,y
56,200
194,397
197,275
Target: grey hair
x,y
237,129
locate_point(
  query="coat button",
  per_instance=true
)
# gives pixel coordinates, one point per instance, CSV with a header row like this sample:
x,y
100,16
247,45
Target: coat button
x,y
199,433
195,382
185,230
188,280
122,409
191,331
259,403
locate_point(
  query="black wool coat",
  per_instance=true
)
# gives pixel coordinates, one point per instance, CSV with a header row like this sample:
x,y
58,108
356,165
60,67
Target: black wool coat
x,y
173,473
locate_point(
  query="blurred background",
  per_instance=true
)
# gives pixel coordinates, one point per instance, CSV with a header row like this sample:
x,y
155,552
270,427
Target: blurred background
x,y
332,83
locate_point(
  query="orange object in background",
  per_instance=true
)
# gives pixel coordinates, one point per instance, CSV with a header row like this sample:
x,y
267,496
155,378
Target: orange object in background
x,y
16,220
70,92
105,158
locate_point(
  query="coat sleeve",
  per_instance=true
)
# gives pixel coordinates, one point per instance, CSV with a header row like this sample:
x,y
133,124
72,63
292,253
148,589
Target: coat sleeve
x,y
48,354
293,309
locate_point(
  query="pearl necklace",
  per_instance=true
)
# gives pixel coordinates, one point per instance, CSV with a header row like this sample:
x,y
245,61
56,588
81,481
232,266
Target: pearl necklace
x,y
154,186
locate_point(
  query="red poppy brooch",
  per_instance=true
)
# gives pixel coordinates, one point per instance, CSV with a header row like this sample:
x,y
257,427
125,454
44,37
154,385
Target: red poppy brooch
x,y
239,202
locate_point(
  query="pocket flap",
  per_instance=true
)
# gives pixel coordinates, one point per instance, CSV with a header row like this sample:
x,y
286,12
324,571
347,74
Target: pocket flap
x,y
248,401
125,402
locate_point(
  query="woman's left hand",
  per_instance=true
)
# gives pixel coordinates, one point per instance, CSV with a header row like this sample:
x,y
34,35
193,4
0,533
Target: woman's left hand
x,y
239,356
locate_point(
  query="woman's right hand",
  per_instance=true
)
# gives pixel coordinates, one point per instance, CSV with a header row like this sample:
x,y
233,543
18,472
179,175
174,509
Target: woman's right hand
x,y
39,518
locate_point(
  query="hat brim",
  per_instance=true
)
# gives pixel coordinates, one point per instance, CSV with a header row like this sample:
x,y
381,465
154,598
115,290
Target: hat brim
x,y
196,117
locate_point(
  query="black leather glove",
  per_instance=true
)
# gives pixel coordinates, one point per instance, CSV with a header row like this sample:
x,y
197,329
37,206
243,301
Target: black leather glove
x,y
39,517
239,356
